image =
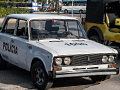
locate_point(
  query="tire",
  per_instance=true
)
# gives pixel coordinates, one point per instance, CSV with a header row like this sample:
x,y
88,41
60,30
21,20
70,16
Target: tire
x,y
96,39
3,64
39,76
81,11
65,11
99,78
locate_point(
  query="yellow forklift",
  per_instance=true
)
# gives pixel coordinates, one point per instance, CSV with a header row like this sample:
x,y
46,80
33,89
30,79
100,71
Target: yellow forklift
x,y
102,22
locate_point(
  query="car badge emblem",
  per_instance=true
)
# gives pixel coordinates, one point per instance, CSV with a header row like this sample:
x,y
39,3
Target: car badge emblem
x,y
88,59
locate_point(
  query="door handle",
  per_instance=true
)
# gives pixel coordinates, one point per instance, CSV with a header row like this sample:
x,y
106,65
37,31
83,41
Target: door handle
x,y
12,41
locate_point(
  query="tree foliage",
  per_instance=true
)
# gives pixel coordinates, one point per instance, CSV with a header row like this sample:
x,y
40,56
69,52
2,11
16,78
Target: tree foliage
x,y
43,1
56,4
7,11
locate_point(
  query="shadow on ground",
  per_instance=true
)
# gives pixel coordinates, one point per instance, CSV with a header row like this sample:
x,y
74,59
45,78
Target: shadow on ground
x,y
64,82
21,79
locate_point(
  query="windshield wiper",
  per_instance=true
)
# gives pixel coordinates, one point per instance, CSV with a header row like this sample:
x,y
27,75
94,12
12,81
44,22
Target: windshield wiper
x,y
42,34
73,34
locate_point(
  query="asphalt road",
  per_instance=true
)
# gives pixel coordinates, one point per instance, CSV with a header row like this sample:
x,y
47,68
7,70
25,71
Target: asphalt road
x,y
78,16
74,15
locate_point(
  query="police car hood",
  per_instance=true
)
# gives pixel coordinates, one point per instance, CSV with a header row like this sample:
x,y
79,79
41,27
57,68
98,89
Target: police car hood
x,y
76,46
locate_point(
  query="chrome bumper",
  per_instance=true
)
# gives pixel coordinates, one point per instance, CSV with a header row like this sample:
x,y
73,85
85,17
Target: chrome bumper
x,y
86,72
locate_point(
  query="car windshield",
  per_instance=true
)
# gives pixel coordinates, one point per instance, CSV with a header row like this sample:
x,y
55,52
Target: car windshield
x,y
56,29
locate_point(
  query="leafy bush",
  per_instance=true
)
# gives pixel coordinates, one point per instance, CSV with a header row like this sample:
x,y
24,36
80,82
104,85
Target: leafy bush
x,y
53,9
7,11
60,8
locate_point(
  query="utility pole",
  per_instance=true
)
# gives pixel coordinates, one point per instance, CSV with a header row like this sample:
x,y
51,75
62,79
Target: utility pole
x,y
58,8
72,8
35,2
47,1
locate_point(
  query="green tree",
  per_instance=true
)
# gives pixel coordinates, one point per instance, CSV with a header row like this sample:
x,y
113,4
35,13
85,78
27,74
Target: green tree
x,y
43,1
56,4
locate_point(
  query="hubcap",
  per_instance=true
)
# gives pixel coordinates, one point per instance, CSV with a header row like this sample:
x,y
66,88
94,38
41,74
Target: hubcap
x,y
39,76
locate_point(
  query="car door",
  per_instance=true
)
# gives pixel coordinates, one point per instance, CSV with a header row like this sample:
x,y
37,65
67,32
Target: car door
x,y
19,41
5,35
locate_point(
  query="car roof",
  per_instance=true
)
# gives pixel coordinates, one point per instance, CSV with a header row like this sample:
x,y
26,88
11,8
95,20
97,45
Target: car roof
x,y
40,16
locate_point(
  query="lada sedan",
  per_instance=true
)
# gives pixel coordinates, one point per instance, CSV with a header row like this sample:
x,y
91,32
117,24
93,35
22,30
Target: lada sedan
x,y
53,46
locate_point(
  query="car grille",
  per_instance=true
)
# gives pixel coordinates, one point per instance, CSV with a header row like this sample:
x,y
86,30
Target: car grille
x,y
81,60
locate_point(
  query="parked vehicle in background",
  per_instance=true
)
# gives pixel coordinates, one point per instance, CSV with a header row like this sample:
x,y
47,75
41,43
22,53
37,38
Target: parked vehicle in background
x,y
32,6
79,6
53,46
9,5
102,22
46,7
39,4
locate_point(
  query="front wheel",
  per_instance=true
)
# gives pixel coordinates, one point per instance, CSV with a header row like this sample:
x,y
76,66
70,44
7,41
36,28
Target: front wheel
x,y
99,78
65,11
81,11
96,39
40,77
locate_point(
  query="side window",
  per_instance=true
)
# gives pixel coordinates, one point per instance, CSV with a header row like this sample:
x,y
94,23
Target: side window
x,y
9,26
22,29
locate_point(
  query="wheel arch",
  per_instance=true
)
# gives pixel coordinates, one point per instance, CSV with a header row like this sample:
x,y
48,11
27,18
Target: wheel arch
x,y
95,31
81,11
35,59
65,10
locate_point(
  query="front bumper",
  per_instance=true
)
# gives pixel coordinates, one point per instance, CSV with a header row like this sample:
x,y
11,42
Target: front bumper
x,y
86,72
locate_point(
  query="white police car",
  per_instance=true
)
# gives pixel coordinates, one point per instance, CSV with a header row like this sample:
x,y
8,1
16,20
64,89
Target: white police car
x,y
53,46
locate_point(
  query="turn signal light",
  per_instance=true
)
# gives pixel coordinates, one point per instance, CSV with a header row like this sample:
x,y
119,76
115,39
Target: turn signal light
x,y
57,69
112,65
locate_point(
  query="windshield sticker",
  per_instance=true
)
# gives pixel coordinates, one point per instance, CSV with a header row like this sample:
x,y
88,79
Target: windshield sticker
x,y
74,44
54,21
10,48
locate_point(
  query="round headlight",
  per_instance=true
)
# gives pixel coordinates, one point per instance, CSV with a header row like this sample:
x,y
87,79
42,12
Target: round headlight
x,y
111,59
58,61
104,59
67,61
